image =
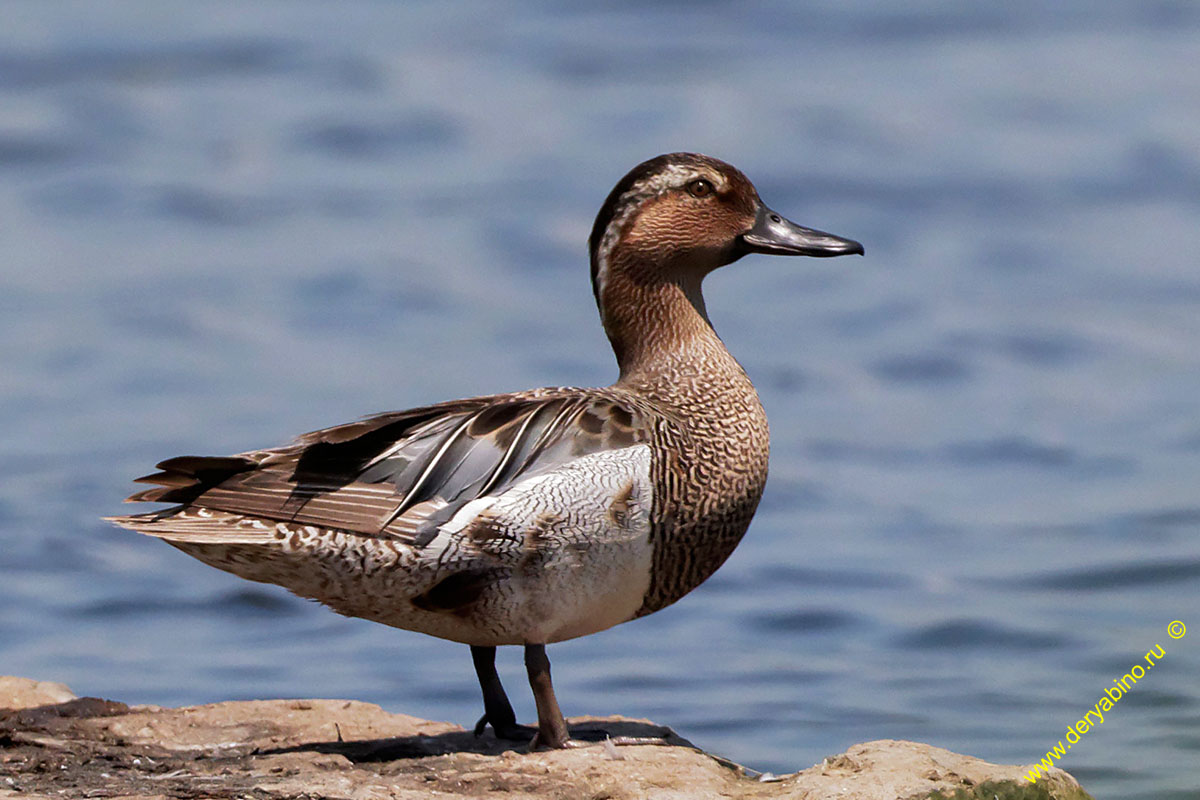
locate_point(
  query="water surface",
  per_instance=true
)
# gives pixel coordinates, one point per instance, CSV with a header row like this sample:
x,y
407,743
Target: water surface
x,y
225,224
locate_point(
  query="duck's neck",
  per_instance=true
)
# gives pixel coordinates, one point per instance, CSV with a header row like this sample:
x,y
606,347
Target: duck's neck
x,y
659,330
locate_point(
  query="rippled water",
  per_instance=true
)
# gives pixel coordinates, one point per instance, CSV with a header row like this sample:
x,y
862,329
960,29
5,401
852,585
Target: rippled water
x,y
226,223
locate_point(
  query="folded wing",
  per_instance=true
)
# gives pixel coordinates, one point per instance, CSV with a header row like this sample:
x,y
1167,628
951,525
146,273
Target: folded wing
x,y
400,475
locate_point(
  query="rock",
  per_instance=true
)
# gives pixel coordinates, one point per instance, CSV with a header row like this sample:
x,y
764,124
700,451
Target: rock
x,y
26,693
54,744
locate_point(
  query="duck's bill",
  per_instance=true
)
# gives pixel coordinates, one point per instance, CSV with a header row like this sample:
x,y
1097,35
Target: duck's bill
x,y
775,234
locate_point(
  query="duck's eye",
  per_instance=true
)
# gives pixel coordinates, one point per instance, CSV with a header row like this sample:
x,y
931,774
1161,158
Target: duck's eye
x,y
700,188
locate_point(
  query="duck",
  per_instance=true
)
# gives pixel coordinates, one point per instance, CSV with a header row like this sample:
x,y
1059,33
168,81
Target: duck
x,y
532,517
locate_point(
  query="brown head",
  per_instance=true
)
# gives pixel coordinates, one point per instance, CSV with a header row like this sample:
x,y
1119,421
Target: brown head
x,y
671,221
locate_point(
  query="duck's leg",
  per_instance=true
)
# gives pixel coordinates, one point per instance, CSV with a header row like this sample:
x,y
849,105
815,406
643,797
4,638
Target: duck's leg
x,y
497,711
552,727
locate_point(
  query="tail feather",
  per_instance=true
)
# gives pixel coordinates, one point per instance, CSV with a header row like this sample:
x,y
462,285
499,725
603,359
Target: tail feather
x,y
184,478
200,526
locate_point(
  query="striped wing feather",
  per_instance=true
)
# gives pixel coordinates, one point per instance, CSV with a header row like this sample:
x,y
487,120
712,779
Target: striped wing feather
x,y
398,475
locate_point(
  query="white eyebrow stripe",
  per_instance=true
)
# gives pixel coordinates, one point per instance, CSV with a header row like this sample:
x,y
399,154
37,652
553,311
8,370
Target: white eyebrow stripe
x,y
672,176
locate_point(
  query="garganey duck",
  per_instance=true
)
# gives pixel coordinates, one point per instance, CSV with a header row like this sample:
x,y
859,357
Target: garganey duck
x,y
539,516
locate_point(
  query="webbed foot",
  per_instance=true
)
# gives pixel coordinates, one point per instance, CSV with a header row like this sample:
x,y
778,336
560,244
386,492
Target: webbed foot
x,y
510,730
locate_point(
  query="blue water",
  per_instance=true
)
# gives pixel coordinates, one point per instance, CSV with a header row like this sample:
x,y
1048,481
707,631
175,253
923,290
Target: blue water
x,y
227,223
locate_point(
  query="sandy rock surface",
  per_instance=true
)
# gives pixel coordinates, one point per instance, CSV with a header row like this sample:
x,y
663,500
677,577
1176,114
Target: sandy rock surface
x,y
55,745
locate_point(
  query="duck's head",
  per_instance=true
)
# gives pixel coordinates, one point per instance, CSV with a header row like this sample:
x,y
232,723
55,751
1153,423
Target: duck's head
x,y
679,216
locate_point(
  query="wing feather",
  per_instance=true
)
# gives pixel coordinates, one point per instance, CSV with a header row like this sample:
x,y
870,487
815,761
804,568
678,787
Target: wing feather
x,y
403,474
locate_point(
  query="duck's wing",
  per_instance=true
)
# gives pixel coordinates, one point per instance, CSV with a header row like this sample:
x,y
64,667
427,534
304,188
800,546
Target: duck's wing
x,y
400,475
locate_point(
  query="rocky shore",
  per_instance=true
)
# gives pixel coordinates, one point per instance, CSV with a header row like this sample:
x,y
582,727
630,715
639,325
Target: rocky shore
x,y
55,745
